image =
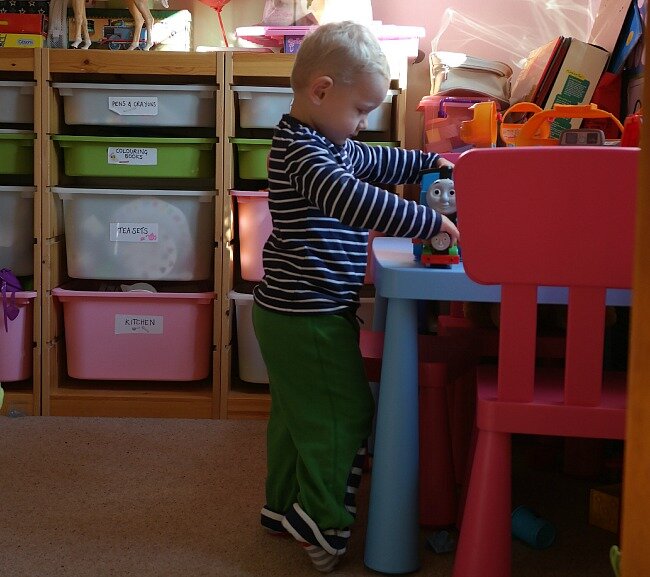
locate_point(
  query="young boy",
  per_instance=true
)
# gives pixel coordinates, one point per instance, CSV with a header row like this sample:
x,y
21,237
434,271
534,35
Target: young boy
x,y
315,259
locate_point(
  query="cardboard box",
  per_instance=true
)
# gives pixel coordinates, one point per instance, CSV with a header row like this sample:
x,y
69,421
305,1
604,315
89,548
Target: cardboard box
x,y
25,6
23,23
22,41
605,507
564,71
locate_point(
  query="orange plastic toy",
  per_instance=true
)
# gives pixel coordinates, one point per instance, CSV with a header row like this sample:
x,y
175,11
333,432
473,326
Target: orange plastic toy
x,y
481,131
509,130
531,133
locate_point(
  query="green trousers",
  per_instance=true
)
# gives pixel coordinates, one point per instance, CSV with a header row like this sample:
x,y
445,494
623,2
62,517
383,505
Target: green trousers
x,y
321,411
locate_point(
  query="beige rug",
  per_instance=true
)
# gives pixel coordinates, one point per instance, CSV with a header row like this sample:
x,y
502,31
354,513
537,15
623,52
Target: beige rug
x,y
88,497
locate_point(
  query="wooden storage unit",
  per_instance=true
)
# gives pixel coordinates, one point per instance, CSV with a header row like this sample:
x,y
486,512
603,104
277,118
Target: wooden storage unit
x,y
238,398
63,395
24,64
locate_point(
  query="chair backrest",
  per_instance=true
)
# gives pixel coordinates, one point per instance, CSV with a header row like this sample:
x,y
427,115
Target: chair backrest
x,y
549,216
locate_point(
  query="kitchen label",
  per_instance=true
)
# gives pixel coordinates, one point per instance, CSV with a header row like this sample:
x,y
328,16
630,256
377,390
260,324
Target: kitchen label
x,y
134,105
134,232
133,156
141,324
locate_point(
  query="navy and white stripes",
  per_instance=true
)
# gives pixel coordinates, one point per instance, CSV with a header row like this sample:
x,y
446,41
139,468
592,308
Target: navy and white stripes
x,y
322,207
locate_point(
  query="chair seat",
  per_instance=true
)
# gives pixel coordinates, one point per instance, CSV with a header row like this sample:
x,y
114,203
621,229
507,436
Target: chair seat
x,y
547,414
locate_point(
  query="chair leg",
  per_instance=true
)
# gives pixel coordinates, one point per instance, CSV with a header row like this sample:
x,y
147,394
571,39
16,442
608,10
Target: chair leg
x,y
484,546
438,501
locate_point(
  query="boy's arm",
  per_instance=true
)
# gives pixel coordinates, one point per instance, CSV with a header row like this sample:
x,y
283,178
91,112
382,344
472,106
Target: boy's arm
x,y
389,165
340,194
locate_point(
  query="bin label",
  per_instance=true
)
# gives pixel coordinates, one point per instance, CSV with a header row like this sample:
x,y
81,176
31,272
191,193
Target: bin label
x,y
134,232
134,105
133,156
141,324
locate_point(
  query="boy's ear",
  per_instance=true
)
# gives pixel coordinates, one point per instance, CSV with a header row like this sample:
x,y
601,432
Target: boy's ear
x,y
319,87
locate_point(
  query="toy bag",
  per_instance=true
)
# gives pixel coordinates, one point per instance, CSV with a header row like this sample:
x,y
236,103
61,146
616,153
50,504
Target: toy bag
x,y
457,74
9,283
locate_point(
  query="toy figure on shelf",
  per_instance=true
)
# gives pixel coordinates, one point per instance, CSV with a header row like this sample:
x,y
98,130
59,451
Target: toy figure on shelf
x,y
82,36
139,9
437,192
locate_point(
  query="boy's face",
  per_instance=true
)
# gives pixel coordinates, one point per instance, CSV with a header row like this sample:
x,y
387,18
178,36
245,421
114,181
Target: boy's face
x,y
343,109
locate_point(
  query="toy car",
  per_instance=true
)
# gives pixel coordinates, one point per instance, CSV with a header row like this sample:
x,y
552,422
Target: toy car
x,y
119,36
437,192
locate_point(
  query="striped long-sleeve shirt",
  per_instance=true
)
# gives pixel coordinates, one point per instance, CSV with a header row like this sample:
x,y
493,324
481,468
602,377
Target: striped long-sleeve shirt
x,y
322,208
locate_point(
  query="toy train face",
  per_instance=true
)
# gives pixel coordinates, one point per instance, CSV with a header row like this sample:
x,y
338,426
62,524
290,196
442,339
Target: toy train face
x,y
437,192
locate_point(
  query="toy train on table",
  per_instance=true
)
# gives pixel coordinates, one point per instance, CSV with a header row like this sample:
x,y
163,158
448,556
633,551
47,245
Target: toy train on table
x,y
437,192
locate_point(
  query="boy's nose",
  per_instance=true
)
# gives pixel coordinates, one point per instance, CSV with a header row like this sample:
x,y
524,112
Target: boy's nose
x,y
363,124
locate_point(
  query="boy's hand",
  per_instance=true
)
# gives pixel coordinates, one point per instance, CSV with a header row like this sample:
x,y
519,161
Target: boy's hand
x,y
451,229
440,162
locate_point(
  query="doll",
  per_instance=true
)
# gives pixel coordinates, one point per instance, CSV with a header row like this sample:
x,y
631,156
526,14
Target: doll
x,y
139,9
82,36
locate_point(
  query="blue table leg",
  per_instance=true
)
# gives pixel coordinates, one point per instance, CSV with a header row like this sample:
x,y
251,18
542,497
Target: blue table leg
x,y
392,538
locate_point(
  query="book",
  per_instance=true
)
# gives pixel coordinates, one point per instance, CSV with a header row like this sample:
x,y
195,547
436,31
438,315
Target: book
x,y
563,71
608,23
628,38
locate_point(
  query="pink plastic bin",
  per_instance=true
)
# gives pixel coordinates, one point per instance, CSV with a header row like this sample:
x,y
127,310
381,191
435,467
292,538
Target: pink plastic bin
x,y
255,226
146,336
16,342
254,220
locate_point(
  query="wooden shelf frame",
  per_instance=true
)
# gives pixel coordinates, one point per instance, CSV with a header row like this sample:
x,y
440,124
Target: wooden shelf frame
x,y
25,64
62,395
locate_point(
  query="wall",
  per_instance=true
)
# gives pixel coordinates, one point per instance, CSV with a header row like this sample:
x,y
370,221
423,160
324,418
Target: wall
x,y
503,30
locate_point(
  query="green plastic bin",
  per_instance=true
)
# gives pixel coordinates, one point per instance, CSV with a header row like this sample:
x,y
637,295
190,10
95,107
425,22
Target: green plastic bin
x,y
133,156
252,154
16,152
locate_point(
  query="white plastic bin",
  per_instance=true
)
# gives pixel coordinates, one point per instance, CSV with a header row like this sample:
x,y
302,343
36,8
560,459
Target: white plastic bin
x,y
255,226
138,234
17,229
17,99
138,104
251,365
263,107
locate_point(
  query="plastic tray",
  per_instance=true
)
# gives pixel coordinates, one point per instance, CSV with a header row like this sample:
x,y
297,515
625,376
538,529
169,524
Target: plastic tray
x,y
254,227
16,343
16,151
17,229
263,107
163,336
138,234
134,156
138,104
17,99
252,154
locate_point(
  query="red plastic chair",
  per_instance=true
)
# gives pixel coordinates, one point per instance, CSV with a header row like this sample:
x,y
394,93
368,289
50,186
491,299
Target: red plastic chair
x,y
441,361
529,217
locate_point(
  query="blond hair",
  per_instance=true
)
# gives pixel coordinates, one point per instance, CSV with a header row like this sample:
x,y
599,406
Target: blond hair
x,y
342,50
